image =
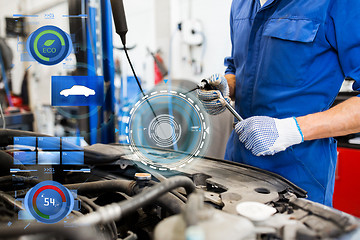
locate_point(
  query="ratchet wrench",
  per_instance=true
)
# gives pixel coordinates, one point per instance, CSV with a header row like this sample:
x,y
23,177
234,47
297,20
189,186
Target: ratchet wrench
x,y
206,86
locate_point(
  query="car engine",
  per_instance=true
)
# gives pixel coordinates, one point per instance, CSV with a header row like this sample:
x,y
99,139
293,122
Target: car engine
x,y
122,199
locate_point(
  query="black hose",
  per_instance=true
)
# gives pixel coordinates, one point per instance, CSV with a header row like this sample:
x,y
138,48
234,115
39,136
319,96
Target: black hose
x,y
149,195
125,186
112,226
168,201
193,209
115,211
89,202
171,203
179,195
86,206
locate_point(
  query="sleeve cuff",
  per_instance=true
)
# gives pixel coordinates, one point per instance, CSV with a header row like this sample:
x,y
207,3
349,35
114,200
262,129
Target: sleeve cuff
x,y
298,127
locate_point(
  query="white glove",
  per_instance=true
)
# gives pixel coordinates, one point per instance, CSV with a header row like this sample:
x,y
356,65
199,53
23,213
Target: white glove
x,y
267,136
211,100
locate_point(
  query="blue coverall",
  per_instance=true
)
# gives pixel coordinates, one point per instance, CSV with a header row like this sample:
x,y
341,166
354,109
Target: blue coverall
x,y
290,58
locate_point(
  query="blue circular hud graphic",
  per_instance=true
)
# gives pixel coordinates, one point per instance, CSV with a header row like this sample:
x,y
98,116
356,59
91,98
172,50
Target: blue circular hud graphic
x,y
170,133
49,45
49,202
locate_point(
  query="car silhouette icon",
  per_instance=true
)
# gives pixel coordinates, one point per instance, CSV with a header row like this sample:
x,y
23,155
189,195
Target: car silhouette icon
x,y
77,90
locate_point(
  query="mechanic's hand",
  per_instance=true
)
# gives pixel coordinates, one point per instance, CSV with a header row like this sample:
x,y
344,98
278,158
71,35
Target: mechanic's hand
x,y
267,136
211,100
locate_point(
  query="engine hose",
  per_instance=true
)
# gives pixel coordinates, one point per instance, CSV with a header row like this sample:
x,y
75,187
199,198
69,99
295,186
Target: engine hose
x,y
89,203
116,211
168,201
125,186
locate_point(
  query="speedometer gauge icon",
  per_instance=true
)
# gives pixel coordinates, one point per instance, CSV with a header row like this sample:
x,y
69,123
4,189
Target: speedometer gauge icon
x,y
49,202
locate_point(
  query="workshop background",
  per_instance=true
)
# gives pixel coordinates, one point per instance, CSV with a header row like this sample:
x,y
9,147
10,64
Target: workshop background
x,y
177,41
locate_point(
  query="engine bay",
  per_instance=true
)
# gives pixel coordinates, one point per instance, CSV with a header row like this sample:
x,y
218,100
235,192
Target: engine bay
x,y
120,198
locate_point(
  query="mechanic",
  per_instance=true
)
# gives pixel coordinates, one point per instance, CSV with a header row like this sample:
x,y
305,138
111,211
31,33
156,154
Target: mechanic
x,y
289,59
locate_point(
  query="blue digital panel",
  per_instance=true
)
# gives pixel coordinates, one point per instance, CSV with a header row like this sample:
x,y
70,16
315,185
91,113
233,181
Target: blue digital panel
x,y
25,215
73,192
72,143
26,57
49,143
25,158
49,202
48,158
77,205
77,90
73,158
25,143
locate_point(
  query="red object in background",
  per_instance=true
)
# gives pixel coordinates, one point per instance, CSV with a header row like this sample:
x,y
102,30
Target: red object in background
x,y
17,101
347,181
158,74
17,106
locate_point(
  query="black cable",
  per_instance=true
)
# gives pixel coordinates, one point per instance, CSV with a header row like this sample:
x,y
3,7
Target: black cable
x,y
139,85
121,29
122,48
133,70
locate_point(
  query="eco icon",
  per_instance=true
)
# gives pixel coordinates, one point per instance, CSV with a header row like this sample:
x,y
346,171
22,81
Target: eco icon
x,y
49,45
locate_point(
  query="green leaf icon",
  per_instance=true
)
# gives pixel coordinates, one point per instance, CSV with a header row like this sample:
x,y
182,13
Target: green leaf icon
x,y
49,42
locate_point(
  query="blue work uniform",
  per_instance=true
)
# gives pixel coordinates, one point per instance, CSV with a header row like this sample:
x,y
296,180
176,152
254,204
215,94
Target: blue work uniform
x,y
290,58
